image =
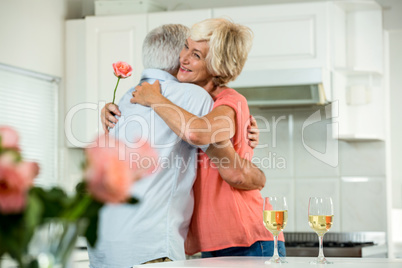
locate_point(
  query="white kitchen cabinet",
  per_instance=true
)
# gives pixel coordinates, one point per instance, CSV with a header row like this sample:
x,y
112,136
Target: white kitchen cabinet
x,y
357,78
185,17
360,107
93,45
286,36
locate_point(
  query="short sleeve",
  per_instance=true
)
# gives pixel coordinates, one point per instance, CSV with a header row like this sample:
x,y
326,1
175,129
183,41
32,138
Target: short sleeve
x,y
238,103
234,100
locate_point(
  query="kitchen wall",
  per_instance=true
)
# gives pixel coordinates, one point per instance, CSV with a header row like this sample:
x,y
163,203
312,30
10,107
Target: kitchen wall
x,y
302,160
35,40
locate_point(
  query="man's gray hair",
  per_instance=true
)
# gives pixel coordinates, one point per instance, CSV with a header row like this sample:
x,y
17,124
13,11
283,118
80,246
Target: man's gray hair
x,y
162,46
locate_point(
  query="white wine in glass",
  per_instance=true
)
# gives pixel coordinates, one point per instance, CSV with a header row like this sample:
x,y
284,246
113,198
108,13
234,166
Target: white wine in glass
x,y
320,215
275,218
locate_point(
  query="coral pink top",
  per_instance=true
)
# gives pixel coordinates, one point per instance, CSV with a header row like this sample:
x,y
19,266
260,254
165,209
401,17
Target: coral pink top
x,y
223,216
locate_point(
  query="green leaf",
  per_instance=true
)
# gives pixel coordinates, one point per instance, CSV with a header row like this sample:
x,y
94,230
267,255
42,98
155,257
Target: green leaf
x,y
12,234
81,188
23,228
132,201
33,212
9,221
91,233
15,242
54,201
92,214
78,208
32,216
33,264
3,244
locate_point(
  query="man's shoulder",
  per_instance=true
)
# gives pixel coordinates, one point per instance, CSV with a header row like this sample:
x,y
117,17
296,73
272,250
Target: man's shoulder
x,y
184,85
187,88
126,97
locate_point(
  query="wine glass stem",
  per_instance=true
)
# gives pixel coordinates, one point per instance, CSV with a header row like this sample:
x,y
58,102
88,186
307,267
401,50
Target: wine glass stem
x,y
276,255
321,251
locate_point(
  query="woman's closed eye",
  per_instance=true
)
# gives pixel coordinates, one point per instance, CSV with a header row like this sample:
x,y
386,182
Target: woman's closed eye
x,y
194,53
197,56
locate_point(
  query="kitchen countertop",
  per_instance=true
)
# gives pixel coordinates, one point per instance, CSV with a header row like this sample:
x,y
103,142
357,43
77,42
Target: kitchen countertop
x,y
80,260
293,262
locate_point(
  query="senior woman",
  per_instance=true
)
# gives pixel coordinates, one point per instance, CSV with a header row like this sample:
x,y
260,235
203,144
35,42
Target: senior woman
x,y
226,221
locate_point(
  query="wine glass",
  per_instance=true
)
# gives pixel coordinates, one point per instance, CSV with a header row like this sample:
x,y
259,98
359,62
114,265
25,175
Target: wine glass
x,y
320,215
275,218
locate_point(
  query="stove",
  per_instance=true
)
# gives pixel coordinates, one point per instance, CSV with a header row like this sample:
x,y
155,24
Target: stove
x,y
362,244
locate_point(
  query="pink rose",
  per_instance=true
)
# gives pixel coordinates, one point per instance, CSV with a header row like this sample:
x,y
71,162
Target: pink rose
x,y
9,138
15,180
109,174
122,69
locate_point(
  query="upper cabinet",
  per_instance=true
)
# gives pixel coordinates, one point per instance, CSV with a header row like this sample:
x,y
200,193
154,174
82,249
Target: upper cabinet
x,y
358,84
186,17
360,30
93,45
110,40
286,36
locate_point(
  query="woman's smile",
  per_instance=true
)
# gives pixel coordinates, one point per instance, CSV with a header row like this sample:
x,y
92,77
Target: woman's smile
x,y
183,69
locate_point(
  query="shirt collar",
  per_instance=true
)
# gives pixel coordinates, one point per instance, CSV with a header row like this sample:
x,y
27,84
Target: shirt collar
x,y
156,74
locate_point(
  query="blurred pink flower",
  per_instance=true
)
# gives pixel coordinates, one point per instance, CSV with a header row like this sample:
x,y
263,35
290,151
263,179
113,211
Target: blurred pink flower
x,y
8,138
109,173
15,180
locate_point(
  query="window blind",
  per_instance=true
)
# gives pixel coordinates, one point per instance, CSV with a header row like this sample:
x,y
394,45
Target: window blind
x,y
28,103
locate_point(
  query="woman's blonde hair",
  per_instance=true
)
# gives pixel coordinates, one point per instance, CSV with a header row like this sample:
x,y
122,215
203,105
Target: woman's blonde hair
x,y
229,45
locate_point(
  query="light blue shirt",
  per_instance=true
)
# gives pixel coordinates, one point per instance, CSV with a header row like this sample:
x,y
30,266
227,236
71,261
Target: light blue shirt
x,y
157,226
